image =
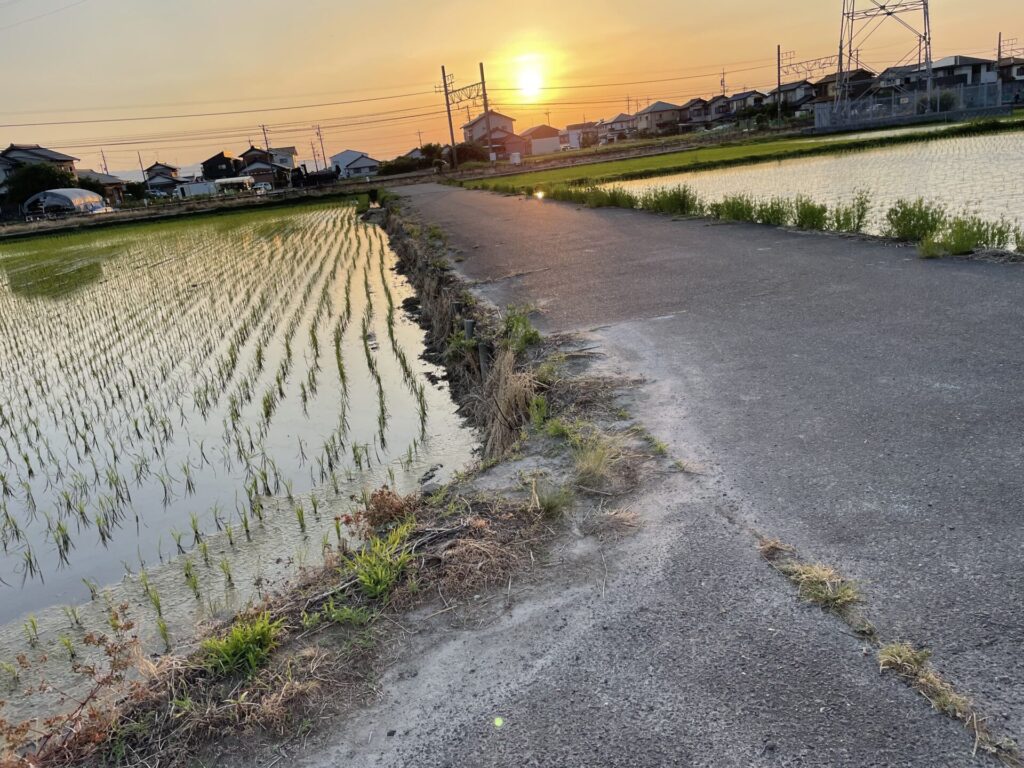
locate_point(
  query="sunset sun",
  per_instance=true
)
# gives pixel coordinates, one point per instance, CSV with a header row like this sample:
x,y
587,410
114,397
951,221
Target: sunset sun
x,y
530,80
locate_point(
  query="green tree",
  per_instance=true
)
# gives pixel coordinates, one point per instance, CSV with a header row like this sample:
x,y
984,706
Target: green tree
x,y
92,185
32,179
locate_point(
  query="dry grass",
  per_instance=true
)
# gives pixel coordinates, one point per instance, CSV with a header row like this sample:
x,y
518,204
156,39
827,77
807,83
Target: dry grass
x,y
822,585
596,457
505,403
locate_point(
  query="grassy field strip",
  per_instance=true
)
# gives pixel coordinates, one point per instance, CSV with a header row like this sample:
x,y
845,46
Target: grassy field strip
x,y
732,155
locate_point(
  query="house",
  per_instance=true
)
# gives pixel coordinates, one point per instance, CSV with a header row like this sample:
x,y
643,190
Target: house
x,y
351,164
542,140
718,109
581,135
260,164
113,187
505,144
659,117
286,157
475,131
620,127
1011,76
693,111
223,165
161,169
793,94
17,155
860,81
741,102
949,72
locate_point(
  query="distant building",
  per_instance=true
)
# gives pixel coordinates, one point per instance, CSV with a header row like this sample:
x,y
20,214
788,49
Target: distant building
x,y
740,102
860,81
286,157
718,109
693,111
581,135
261,165
113,187
223,165
620,127
1011,75
475,131
793,94
659,117
18,155
162,177
352,164
542,140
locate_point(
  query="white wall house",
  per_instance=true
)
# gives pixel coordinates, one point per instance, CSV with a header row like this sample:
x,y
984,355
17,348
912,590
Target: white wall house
x,y
543,139
353,164
286,157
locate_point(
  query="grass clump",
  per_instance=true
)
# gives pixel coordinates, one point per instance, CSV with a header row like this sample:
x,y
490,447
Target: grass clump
x,y
519,331
808,214
677,201
245,648
963,235
914,221
381,563
822,585
851,217
775,212
538,411
734,208
595,457
552,501
355,615
912,665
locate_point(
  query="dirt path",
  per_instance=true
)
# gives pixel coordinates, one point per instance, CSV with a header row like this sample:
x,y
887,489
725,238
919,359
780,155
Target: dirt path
x,y
838,394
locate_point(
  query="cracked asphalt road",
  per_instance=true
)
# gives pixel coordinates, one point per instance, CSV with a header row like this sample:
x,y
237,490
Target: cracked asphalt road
x,y
839,394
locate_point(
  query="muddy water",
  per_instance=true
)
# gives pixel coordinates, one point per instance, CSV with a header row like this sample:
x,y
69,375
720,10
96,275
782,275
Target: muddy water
x,y
210,396
978,174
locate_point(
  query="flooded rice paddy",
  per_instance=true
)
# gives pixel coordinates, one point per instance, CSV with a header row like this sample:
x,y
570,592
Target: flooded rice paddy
x,y
189,411
980,174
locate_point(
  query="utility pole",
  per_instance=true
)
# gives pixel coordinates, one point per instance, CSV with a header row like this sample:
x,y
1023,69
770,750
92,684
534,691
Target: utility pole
x,y
628,112
104,156
266,141
445,83
487,116
141,168
323,152
419,135
778,92
547,117
316,165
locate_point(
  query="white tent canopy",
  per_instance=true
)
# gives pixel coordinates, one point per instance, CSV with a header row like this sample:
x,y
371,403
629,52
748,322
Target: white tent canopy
x,y
64,201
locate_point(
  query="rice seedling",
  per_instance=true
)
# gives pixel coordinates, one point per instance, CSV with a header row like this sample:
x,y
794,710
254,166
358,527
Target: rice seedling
x,y
69,647
93,588
300,516
72,614
31,629
190,577
164,633
225,568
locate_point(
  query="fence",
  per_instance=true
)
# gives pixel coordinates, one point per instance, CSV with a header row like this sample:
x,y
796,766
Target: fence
x,y
898,106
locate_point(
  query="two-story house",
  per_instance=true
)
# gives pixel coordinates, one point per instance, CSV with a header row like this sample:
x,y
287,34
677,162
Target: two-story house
x,y
659,117
475,131
620,127
741,102
223,165
719,108
18,155
162,177
694,111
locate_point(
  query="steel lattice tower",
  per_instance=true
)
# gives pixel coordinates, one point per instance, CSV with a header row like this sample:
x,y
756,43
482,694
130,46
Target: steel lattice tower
x,y
862,19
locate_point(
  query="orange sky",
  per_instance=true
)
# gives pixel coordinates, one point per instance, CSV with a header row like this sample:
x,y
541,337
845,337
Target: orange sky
x,y
117,59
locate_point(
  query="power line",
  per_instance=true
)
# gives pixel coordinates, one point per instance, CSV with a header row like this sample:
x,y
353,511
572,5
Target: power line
x,y
260,110
42,15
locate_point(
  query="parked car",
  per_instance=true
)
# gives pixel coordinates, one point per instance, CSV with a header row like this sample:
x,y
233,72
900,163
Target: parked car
x,y
262,187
